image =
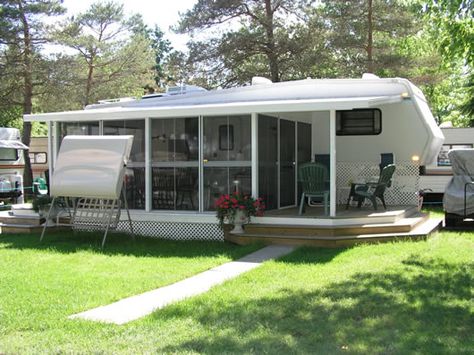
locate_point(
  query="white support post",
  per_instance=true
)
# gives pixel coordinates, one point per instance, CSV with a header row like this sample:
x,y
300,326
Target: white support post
x,y
254,144
148,192
332,163
201,163
51,137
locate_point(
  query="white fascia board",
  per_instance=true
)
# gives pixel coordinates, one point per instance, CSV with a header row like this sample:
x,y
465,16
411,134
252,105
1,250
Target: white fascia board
x,y
117,113
385,100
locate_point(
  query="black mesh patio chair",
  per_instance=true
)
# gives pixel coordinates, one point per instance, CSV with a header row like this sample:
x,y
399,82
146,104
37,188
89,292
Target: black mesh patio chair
x,y
374,190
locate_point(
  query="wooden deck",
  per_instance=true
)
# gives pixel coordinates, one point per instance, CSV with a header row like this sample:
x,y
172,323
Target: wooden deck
x,y
342,212
350,227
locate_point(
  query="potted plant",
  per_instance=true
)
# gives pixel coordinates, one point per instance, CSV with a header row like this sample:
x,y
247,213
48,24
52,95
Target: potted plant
x,y
237,209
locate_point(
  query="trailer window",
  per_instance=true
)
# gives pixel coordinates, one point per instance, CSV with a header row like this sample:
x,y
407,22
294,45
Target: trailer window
x,y
8,154
358,122
38,158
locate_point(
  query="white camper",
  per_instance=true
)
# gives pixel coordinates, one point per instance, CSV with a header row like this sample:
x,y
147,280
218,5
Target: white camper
x,y
194,146
437,174
12,165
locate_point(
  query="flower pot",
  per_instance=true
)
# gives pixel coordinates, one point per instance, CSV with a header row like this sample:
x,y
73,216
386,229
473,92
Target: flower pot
x,y
238,221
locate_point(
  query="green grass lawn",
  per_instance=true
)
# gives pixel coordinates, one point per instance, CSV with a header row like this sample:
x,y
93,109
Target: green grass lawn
x,y
406,297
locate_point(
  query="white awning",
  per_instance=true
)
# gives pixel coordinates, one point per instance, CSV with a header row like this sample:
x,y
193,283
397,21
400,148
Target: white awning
x,y
12,144
117,113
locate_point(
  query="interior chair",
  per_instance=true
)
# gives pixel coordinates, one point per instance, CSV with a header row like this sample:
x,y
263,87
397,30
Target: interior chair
x,y
185,187
313,178
374,190
40,187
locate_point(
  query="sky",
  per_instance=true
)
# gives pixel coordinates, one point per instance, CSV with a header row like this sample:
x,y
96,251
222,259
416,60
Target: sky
x,y
164,13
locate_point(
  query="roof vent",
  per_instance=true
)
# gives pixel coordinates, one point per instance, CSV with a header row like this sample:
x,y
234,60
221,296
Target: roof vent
x,y
369,76
258,80
119,99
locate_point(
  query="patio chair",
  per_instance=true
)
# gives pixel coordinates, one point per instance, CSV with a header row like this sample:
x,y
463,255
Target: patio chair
x,y
313,178
374,190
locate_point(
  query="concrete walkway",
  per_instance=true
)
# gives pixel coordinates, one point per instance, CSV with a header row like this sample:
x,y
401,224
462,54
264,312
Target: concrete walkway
x,y
135,307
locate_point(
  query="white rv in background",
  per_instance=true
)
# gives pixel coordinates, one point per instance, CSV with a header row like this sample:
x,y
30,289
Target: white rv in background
x,y
436,176
12,165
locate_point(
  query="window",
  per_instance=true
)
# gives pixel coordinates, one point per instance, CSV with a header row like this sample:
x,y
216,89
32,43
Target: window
x,y
175,163
38,158
358,122
8,154
135,173
443,159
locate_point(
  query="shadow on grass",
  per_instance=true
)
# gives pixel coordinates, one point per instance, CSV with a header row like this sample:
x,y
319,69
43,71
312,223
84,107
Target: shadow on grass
x,y
424,307
122,244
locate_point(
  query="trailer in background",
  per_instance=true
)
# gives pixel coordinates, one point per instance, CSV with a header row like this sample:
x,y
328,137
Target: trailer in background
x,y
435,177
38,154
12,166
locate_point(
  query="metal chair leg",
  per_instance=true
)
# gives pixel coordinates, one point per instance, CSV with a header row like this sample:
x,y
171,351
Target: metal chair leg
x,y
47,219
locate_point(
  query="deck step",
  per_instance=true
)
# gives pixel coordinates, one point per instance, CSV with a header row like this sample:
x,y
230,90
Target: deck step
x,y
28,229
421,231
20,229
401,226
22,220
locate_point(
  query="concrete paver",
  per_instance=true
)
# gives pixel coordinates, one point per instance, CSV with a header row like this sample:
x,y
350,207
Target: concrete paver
x,y
138,306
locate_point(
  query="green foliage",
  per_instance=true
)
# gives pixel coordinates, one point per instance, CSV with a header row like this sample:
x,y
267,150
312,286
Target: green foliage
x,y
361,43
114,57
161,49
11,117
254,39
451,23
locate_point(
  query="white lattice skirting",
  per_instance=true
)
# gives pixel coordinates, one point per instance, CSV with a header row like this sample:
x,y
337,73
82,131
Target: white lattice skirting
x,y
405,181
175,230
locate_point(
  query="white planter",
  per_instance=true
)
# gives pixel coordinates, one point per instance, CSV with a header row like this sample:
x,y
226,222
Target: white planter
x,y
238,221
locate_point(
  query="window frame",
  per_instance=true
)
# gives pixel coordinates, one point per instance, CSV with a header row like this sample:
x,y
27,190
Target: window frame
x,y
17,155
35,160
340,129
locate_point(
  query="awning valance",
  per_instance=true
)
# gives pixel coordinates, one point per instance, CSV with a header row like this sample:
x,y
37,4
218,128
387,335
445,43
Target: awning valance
x,y
114,113
12,144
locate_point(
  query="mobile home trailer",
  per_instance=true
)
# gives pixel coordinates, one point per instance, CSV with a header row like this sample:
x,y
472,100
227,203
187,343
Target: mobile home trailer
x,y
190,148
436,175
12,165
38,154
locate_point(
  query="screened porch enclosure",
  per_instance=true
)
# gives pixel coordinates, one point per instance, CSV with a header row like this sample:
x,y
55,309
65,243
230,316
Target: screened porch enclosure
x,y
183,164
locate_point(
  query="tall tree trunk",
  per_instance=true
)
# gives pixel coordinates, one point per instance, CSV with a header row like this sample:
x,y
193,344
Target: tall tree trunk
x,y
271,55
90,74
27,97
370,41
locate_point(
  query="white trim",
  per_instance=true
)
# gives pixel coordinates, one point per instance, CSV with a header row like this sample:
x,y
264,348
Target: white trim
x,y
395,99
277,106
201,162
50,150
295,165
278,163
209,217
332,163
148,170
171,216
254,159
55,146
